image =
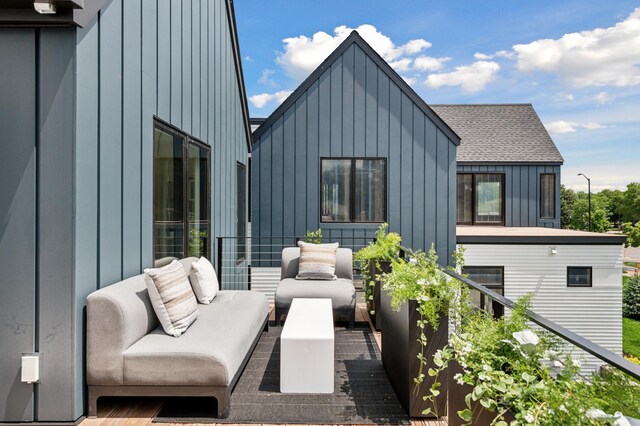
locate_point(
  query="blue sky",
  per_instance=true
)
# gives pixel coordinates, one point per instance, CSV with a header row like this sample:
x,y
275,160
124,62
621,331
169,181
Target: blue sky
x,y
577,62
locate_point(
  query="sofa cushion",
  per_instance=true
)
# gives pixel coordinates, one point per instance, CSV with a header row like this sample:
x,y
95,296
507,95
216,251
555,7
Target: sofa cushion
x,y
203,280
209,353
340,291
317,261
172,297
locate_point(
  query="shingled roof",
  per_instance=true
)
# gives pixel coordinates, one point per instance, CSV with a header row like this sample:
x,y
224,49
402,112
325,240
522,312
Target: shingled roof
x,y
499,133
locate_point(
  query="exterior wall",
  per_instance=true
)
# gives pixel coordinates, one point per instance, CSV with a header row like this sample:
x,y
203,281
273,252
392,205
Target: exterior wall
x,y
76,205
355,110
522,192
593,312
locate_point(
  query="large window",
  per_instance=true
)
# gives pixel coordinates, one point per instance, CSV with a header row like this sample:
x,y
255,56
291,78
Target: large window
x,y
241,211
491,277
353,190
181,194
480,199
547,196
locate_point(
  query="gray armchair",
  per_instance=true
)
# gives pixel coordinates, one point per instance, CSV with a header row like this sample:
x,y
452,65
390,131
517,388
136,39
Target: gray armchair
x,y
341,291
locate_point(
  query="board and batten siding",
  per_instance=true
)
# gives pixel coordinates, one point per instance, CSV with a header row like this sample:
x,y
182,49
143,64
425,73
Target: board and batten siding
x,y
77,169
592,312
522,191
353,109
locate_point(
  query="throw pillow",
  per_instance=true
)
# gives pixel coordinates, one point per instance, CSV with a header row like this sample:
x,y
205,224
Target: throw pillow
x,y
172,297
203,280
317,261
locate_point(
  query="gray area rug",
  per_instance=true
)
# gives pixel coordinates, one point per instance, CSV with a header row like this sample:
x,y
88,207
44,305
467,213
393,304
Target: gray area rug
x,y
362,395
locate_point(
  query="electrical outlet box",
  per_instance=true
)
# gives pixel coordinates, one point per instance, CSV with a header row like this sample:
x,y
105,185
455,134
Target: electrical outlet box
x,y
31,368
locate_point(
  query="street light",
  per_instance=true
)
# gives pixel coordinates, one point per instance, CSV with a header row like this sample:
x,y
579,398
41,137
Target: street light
x,y
589,195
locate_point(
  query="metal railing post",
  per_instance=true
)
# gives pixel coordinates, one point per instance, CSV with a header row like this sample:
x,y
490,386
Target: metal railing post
x,y
219,262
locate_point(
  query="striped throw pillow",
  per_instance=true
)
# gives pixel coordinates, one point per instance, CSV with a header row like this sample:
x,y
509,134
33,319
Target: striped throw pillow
x,y
317,261
172,297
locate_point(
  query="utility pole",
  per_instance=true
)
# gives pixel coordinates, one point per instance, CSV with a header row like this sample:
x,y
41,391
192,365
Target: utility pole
x,y
588,195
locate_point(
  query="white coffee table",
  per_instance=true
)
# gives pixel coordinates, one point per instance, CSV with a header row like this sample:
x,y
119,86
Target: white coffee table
x,y
307,347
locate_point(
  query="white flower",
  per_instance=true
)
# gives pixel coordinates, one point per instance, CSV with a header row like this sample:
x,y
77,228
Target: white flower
x,y
527,339
458,379
484,377
563,408
594,413
487,368
529,418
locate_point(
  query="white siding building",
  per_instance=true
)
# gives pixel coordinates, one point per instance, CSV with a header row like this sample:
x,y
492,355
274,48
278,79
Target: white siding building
x,y
575,277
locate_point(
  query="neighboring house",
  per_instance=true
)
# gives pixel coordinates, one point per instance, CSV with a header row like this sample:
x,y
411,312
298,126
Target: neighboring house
x,y
352,147
575,276
138,113
508,166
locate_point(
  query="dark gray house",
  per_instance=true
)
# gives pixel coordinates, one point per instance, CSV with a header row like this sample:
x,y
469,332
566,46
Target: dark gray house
x,y
125,137
352,147
508,166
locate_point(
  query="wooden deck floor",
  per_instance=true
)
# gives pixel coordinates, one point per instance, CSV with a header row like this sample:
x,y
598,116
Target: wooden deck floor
x,y
140,411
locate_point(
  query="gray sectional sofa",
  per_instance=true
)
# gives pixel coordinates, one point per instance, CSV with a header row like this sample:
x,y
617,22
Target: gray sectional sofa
x,y
341,291
129,354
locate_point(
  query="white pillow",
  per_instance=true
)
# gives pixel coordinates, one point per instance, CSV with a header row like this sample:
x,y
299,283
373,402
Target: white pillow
x,y
203,280
172,297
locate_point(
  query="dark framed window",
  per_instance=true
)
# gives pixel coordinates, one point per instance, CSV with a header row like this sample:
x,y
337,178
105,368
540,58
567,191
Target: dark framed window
x,y
491,277
181,194
480,199
579,276
353,190
547,196
241,211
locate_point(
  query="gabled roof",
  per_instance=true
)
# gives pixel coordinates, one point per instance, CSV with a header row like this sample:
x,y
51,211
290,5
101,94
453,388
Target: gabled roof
x,y
355,38
500,133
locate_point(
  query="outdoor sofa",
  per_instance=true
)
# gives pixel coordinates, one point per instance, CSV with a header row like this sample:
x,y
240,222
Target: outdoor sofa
x,y
129,354
341,290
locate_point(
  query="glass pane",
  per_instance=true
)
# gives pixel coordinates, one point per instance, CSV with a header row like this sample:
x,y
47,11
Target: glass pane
x,y
241,211
198,200
464,198
579,277
336,190
168,192
489,276
370,191
489,198
547,196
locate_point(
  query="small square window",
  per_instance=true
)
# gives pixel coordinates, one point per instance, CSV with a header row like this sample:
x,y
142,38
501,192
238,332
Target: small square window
x,y
579,276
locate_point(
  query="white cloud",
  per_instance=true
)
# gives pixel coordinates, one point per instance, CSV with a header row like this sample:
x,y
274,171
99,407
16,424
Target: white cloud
x,y
266,79
482,56
602,98
603,175
410,80
248,58
598,57
562,126
428,63
401,65
569,97
261,100
303,54
471,78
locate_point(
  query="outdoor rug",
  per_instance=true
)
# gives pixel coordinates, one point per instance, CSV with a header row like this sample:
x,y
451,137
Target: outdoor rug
x,y
362,393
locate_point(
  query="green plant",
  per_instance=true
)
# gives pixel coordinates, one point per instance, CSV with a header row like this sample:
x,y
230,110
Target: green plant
x,y
631,337
436,295
196,242
632,231
631,298
313,237
385,247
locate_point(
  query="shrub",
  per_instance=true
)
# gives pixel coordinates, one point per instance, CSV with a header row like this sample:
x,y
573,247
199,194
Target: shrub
x,y
631,298
633,234
313,237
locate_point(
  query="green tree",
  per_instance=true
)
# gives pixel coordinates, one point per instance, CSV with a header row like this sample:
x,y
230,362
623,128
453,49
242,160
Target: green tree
x,y
580,214
631,298
633,233
630,205
568,200
611,200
